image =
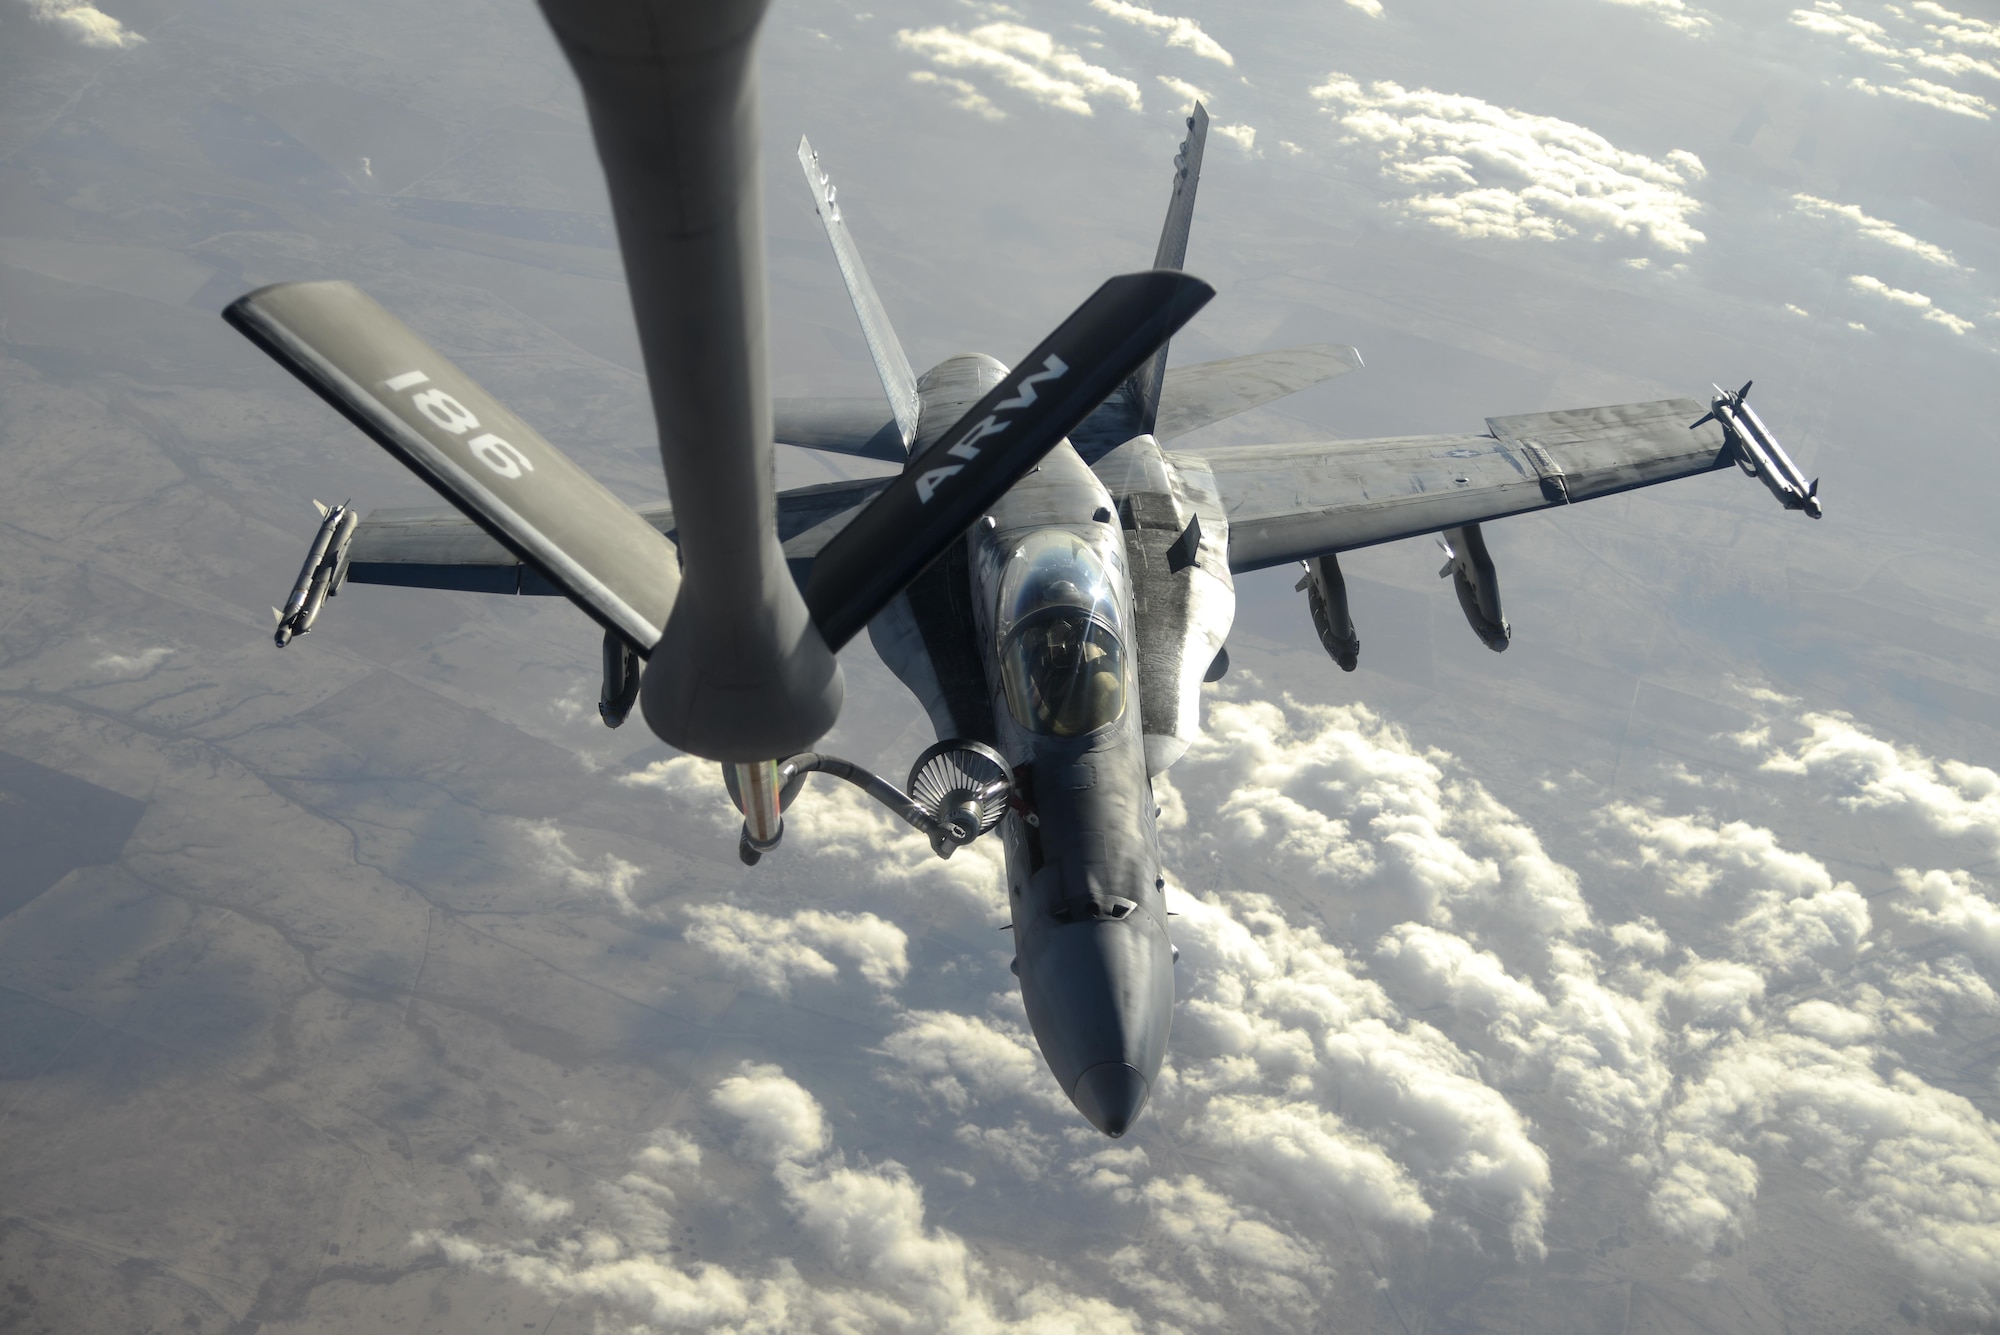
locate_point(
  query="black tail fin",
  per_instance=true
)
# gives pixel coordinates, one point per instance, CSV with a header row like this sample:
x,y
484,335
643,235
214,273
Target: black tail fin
x,y
1144,386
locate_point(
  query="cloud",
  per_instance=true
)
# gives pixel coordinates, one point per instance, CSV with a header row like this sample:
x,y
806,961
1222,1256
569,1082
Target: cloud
x,y
1862,772
1953,48
1023,1150
1243,136
1951,904
1875,229
134,665
1801,933
1693,855
85,22
1481,170
1181,32
781,1121
1925,93
1959,28
1914,300
1346,802
1309,1154
957,1058
1830,20
1442,969
963,95
1676,14
1185,91
1599,1044
1914,1164
1832,1024
1230,1248
1947,55
1402,1022
1026,60
535,1207
775,951
1794,916
611,877
1278,1028
1372,8
862,1235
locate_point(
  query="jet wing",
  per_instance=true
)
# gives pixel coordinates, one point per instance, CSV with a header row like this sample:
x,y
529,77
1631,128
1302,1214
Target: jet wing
x,y
434,548
1292,502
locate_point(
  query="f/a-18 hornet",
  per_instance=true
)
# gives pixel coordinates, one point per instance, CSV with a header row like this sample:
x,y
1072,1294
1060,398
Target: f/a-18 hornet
x,y
1050,580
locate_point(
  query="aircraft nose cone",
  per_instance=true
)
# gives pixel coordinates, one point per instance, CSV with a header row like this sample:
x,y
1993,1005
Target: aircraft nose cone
x,y
1111,1094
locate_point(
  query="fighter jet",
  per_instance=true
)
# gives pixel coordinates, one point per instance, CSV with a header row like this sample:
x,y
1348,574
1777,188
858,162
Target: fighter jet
x,y
1049,578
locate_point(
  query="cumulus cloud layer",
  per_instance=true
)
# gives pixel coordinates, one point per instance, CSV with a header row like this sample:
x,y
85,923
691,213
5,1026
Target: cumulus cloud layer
x,y
1181,32
607,876
1676,14
1915,301
1912,51
1402,1023
1023,59
85,22
1875,229
1863,772
860,1252
773,950
1481,170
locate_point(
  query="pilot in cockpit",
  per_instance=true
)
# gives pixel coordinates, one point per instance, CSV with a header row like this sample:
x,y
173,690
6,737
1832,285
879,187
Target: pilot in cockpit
x,y
1062,664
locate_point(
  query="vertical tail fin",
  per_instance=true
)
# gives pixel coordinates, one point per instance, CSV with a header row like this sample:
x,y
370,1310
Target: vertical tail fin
x,y
898,381
1144,386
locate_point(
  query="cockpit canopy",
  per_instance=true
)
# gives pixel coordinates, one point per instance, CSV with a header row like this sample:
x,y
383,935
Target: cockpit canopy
x,y
1061,659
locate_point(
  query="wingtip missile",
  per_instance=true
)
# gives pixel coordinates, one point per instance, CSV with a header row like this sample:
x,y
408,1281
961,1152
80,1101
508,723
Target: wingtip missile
x,y
1758,453
320,574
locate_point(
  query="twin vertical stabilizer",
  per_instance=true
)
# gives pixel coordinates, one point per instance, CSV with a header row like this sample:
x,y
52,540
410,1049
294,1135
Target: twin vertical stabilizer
x,y
1144,386
891,363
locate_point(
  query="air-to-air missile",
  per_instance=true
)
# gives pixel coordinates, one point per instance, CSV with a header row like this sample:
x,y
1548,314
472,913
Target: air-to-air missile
x,y
319,577
1758,452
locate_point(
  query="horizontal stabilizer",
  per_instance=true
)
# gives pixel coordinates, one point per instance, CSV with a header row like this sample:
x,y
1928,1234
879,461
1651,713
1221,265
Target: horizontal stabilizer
x,y
1195,396
839,426
441,549
486,461
946,488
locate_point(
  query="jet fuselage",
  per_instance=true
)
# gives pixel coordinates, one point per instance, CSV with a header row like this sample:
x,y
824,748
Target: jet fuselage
x,y
1044,595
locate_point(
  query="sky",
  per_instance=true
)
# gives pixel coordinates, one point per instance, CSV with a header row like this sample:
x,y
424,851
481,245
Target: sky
x,y
1641,978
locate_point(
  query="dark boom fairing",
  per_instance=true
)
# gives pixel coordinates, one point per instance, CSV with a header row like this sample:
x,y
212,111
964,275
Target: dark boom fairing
x,y
1050,581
